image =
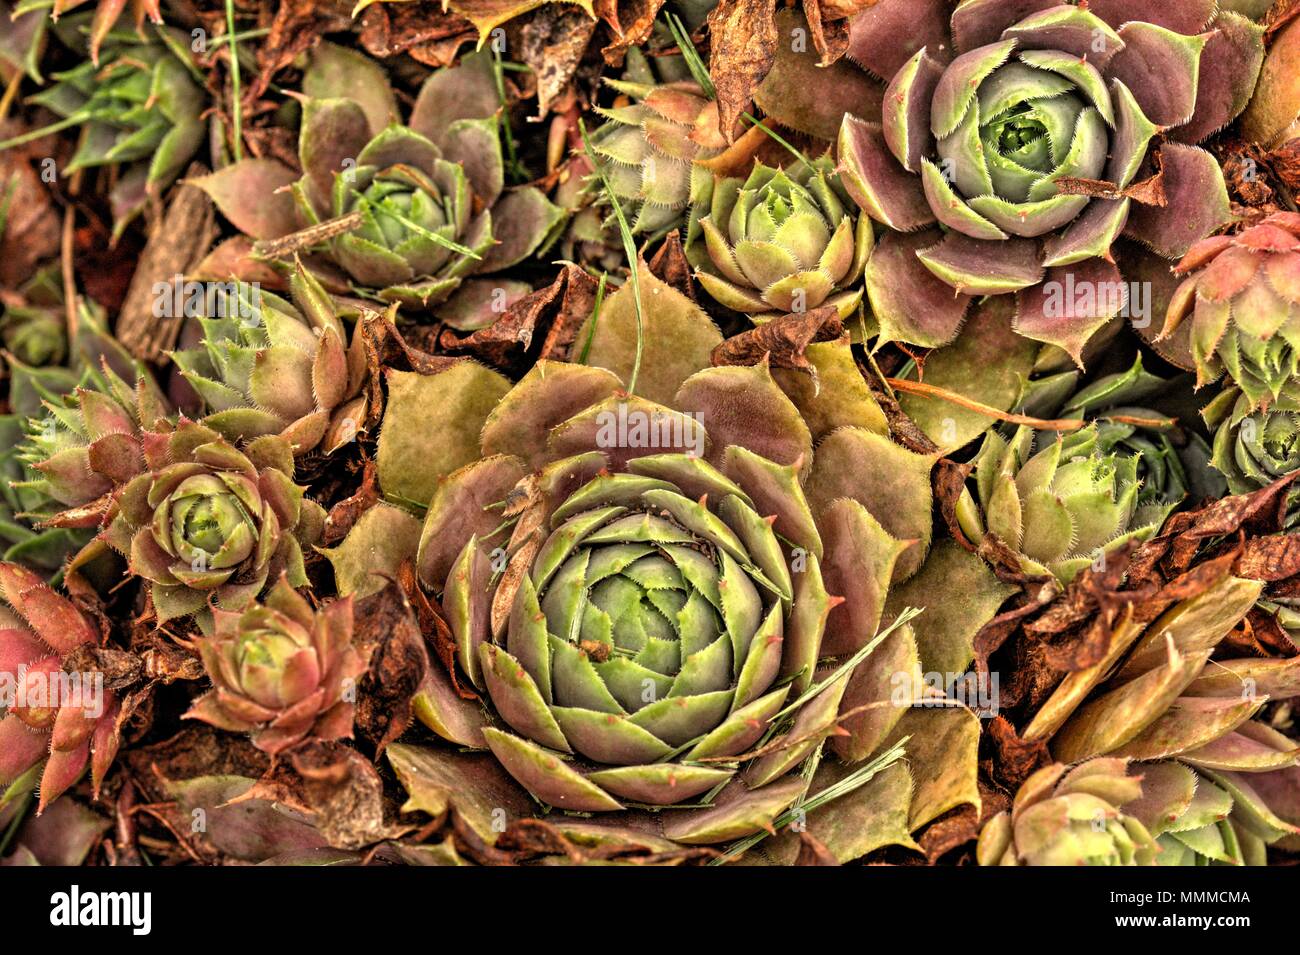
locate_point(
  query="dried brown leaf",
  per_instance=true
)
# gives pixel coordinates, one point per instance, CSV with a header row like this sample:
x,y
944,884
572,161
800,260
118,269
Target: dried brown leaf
x,y
743,40
783,341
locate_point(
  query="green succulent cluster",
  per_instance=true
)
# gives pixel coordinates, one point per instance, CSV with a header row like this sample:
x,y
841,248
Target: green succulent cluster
x,y
1059,502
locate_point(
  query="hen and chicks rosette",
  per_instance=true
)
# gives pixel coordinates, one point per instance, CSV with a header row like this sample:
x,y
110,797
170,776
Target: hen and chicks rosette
x,y
655,594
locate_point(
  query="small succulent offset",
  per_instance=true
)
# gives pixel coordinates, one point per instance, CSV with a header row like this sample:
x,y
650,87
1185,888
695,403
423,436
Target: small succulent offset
x,y
140,111
1191,818
209,524
66,724
1242,299
281,671
1010,146
90,443
22,541
1253,447
1060,506
1173,460
1071,816
271,366
647,150
781,240
405,213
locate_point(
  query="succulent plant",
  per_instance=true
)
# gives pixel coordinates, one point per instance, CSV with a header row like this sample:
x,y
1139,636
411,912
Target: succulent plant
x,y
52,717
1066,815
140,111
647,150
1191,818
1136,414
425,203
1011,146
281,671
1242,297
780,241
270,366
209,524
1158,696
33,325
90,443
1253,447
646,610
44,549
1059,506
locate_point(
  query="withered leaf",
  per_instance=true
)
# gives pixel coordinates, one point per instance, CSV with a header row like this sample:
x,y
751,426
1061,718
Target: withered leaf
x,y
1149,191
560,308
433,626
830,35
631,23
426,31
993,634
31,231
951,830
1223,517
387,630
1271,558
342,790
669,265
812,852
297,27
346,512
554,39
1014,759
949,480
783,341
743,38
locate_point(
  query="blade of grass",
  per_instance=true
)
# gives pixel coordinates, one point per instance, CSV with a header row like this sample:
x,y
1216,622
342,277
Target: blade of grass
x,y
595,317
855,780
237,108
849,665
691,55
629,249
797,153
34,134
517,172
389,210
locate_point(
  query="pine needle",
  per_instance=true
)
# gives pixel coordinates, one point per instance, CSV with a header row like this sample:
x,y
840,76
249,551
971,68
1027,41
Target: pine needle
x,y
629,249
970,404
